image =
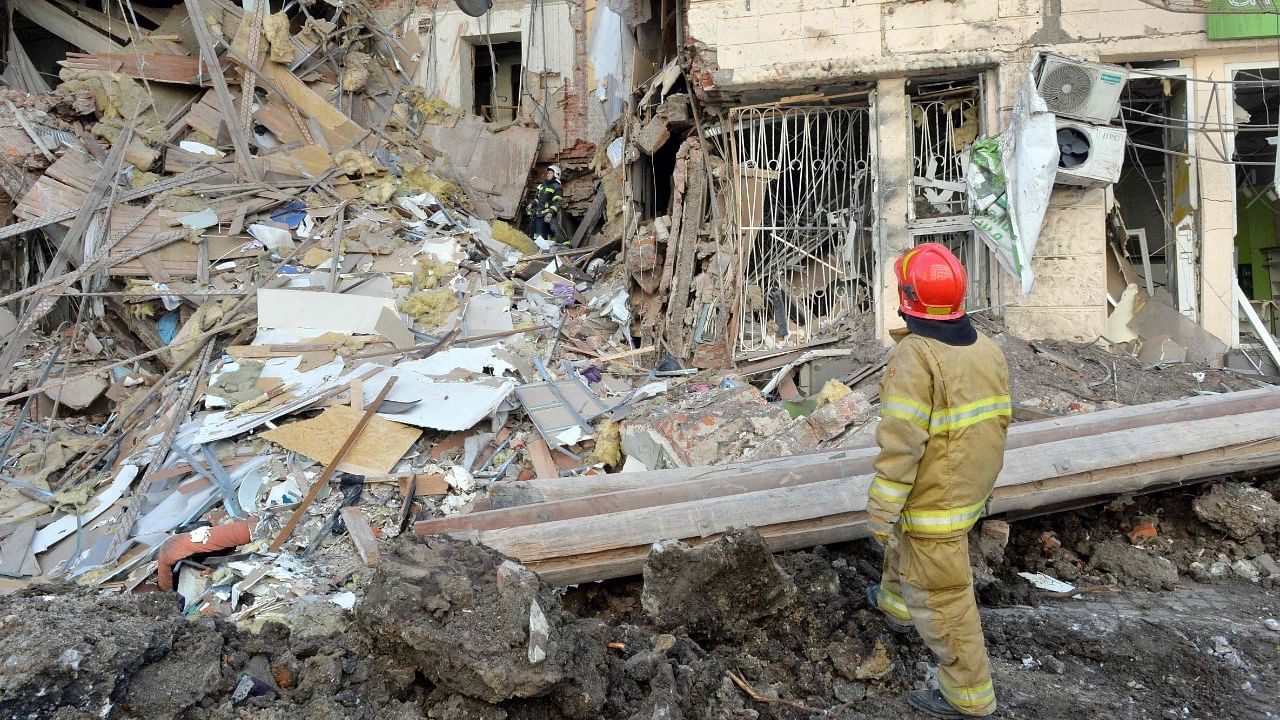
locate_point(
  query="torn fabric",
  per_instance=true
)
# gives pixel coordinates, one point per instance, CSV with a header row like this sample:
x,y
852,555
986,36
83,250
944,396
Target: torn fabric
x,y
1010,179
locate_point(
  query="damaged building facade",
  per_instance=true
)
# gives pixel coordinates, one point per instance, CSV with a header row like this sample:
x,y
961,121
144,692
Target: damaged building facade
x,y
834,135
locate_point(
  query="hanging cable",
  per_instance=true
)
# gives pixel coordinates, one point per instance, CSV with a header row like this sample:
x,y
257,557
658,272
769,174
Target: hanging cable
x,y
493,63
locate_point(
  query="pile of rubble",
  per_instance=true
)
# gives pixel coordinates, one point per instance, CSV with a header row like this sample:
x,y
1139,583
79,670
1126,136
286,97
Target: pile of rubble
x,y
271,306
279,299
451,629
275,305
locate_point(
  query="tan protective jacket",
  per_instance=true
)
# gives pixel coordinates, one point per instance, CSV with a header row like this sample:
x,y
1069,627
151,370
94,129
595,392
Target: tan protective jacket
x,y
945,412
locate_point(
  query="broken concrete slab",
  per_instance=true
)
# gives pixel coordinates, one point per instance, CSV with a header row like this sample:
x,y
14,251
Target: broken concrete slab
x,y
1135,565
437,606
484,156
1161,349
1155,319
1240,510
78,393
654,135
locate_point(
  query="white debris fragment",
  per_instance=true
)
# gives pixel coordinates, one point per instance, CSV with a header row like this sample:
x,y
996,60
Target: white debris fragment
x,y
539,633
1046,582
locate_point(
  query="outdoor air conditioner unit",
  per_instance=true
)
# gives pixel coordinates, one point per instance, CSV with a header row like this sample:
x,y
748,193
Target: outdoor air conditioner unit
x,y
1089,155
1081,90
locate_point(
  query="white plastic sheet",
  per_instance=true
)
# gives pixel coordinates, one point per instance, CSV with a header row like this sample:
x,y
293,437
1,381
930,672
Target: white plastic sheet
x,y
612,46
1029,160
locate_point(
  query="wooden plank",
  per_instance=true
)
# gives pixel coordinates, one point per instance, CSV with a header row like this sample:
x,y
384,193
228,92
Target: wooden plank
x,y
209,56
540,454
278,120
180,259
340,131
20,72
116,27
69,246
154,14
361,535
844,527
310,161
66,27
508,494
155,268
589,220
157,67
204,117
15,549
1043,467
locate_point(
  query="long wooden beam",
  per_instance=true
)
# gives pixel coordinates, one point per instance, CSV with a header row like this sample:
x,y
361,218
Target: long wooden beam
x,y
821,511
63,25
845,527
503,495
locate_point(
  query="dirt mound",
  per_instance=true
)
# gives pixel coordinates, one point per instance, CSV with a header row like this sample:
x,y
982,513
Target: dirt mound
x,y
71,653
719,590
90,664
448,630
482,628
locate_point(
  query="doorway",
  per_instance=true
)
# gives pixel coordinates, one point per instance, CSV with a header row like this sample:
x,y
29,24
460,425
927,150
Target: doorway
x,y
497,81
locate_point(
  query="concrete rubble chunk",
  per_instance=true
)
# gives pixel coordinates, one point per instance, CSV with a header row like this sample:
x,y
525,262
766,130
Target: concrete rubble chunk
x,y
711,427
436,606
1240,510
1134,565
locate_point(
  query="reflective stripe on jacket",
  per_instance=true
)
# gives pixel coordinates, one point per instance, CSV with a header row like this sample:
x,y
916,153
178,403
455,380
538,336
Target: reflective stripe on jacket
x,y
945,412
547,199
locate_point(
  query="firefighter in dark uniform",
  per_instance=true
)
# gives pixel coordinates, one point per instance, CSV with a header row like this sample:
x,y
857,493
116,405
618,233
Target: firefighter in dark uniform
x,y
544,208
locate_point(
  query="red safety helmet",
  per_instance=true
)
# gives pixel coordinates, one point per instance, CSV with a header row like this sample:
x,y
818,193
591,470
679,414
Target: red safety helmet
x,y
931,283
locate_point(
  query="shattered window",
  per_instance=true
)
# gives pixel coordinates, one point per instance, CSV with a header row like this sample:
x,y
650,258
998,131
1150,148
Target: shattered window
x,y
804,209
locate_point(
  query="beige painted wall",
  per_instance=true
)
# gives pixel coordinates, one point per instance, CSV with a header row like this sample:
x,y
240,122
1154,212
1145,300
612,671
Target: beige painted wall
x,y
806,42
761,43
547,44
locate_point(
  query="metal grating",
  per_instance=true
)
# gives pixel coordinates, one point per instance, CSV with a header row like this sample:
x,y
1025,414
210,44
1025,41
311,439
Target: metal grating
x,y
944,125
943,131
977,263
803,204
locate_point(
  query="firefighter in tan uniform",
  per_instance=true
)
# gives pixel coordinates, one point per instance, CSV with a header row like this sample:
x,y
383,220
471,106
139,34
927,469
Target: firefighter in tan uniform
x,y
945,413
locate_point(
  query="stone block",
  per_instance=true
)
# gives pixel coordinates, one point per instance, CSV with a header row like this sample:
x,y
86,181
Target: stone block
x,y
1073,231
653,135
1079,281
833,418
1074,324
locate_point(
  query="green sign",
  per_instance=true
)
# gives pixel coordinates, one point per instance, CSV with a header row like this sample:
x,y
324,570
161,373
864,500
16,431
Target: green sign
x,y
1244,19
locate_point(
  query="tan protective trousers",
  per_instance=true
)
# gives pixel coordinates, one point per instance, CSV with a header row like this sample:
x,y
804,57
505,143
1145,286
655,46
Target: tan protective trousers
x,y
927,581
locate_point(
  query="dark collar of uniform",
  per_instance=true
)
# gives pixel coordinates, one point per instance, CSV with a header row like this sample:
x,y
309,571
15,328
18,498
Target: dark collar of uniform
x,y
959,332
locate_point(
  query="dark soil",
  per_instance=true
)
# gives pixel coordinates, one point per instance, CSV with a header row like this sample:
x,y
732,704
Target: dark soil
x,y
447,630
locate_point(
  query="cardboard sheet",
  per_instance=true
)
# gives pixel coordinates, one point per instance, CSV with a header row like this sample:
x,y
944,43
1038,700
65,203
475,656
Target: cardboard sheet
x,y
379,448
311,313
